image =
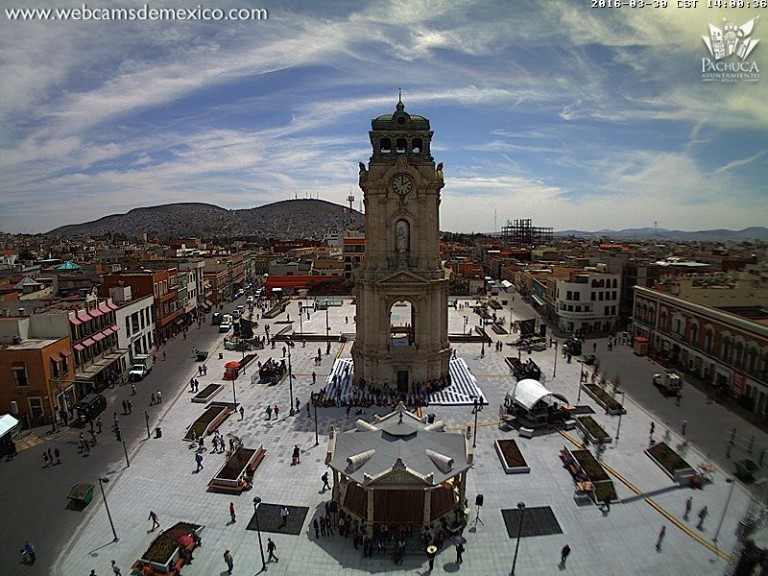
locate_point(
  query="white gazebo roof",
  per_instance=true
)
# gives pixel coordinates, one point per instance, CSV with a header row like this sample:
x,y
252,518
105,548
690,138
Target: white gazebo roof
x,y
527,393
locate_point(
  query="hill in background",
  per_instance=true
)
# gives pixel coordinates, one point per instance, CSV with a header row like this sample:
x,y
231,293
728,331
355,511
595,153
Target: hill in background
x,y
287,219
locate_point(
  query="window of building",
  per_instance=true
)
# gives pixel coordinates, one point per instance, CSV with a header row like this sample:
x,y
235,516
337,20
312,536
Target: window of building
x,y
577,296
569,295
54,368
20,373
401,145
593,296
578,308
709,339
36,406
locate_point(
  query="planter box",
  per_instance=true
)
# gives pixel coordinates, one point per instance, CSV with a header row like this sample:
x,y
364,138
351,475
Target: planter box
x,y
207,393
592,430
671,463
610,405
232,475
211,419
81,493
163,553
511,458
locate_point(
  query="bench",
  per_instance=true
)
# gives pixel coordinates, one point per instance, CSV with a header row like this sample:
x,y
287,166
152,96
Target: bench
x,y
745,470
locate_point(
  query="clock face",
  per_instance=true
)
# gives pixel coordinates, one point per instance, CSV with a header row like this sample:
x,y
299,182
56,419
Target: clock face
x,y
402,184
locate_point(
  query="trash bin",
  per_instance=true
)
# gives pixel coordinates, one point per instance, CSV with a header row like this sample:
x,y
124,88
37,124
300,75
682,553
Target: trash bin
x,y
431,419
158,432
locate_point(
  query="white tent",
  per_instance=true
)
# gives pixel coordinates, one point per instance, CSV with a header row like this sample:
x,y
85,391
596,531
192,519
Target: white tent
x,y
527,393
8,424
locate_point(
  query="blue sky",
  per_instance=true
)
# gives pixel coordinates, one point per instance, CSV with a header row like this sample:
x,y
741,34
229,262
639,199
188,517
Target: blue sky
x,y
572,116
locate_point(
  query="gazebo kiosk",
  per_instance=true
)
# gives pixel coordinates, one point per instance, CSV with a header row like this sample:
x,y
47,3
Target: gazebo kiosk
x,y
399,470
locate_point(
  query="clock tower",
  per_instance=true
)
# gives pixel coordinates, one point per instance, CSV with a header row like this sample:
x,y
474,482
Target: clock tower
x,y
401,289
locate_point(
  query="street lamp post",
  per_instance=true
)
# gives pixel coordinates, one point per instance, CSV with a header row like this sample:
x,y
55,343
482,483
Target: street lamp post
x,y
582,378
327,331
732,482
314,405
256,504
521,507
103,480
482,323
554,370
301,324
290,375
476,410
621,411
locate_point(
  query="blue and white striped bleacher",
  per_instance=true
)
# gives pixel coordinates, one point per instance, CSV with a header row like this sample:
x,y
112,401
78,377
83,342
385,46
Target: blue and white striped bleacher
x,y
463,389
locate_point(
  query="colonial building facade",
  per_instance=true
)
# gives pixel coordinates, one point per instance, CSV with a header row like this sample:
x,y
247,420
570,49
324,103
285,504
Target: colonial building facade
x,y
727,348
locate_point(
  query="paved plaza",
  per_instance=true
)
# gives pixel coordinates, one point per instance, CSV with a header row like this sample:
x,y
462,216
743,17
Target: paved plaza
x,y
622,541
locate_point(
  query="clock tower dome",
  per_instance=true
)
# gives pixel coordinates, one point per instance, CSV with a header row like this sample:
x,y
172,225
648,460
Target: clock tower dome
x,y
402,287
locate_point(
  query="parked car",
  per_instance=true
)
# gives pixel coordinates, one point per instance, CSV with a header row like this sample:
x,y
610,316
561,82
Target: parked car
x,y
225,327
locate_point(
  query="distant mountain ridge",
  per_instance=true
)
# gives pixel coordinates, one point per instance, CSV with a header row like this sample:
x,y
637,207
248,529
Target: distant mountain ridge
x,y
719,234
280,220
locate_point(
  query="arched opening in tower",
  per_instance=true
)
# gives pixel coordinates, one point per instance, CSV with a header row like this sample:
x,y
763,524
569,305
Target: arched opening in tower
x,y
401,324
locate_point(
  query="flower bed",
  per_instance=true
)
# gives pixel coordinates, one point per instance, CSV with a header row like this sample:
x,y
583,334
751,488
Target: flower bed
x,y
81,493
590,465
164,550
207,393
592,430
232,475
604,399
671,462
511,458
208,422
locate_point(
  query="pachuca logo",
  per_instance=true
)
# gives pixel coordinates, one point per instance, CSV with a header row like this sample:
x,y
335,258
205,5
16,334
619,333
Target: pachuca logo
x,y
729,47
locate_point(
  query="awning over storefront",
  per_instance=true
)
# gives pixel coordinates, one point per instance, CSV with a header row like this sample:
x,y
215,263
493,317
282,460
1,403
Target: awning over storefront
x,y
88,342
112,306
83,317
75,321
538,300
7,424
99,336
95,312
79,347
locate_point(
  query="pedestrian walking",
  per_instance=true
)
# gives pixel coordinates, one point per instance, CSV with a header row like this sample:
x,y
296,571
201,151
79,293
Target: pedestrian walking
x,y
130,406
155,521
45,458
653,428
229,560
50,456
271,547
242,412
125,407
99,424
57,455
152,400
431,553
269,411
314,376
324,478
133,389
564,552
284,513
459,552
688,505
662,533
164,356
159,397
29,551
316,527
678,398
199,460
308,404
685,426
94,441
277,411
296,455
298,405
702,516
116,569
232,512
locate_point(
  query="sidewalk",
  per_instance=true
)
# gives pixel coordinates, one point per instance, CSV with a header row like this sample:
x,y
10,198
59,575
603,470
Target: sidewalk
x,y
161,478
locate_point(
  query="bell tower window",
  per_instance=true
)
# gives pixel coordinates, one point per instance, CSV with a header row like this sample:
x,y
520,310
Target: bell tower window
x,y
401,146
385,146
416,145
